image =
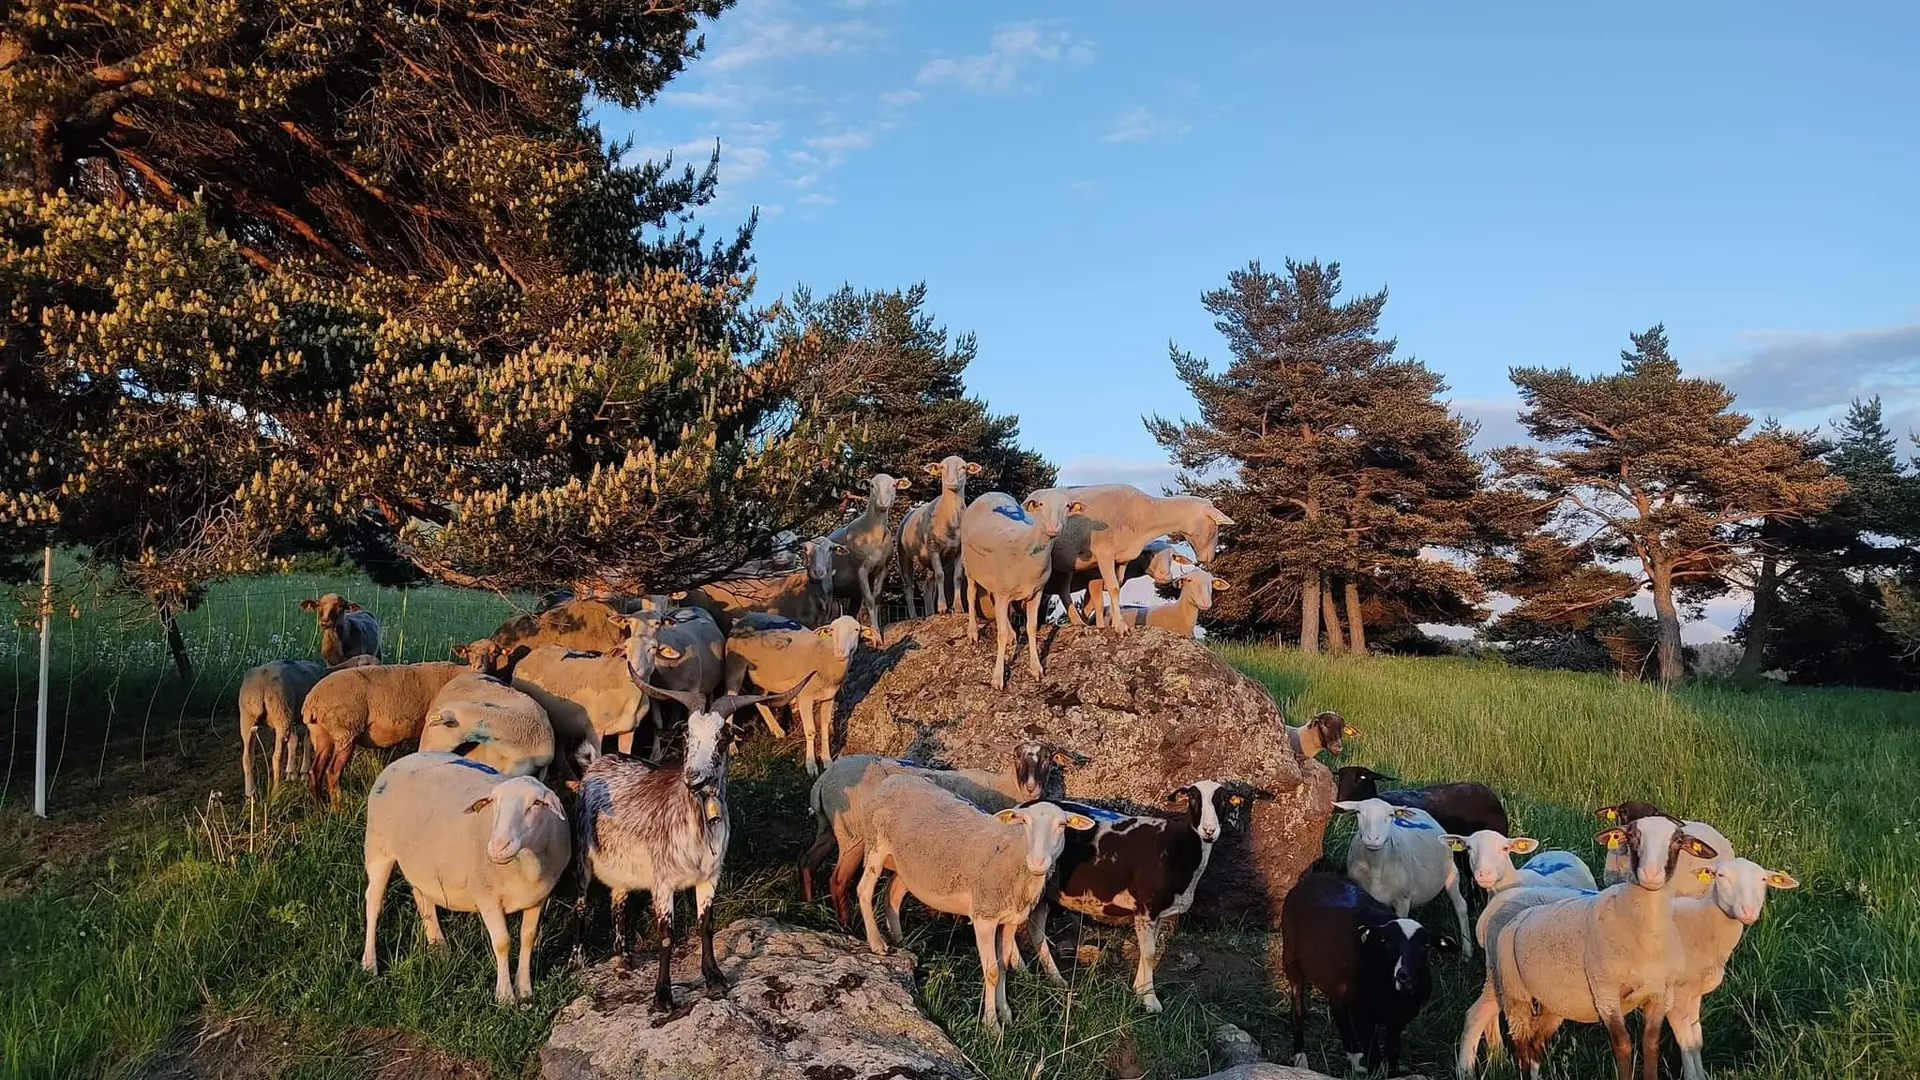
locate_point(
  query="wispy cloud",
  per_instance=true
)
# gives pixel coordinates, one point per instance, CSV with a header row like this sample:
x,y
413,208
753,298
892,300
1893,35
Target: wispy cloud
x,y
771,36
1805,371
843,140
1013,49
1141,123
900,98
1085,189
1151,475
816,199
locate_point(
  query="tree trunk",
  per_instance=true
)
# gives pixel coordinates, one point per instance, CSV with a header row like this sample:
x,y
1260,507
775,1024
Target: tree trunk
x,y
1330,617
1673,663
176,645
1766,592
1310,613
1356,623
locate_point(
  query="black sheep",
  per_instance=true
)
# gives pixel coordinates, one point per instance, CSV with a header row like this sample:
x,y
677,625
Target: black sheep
x,y
1369,965
1462,809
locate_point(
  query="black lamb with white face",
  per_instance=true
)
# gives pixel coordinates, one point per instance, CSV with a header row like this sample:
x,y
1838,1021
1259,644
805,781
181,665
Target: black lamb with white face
x,y
1371,966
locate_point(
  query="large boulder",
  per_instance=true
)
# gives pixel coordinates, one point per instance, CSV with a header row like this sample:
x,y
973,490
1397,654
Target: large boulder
x,y
803,1006
1154,712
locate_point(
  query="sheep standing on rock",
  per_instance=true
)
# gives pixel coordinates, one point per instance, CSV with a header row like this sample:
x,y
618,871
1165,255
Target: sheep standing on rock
x,y
483,719
1398,857
466,839
1007,551
861,573
778,654
957,860
373,706
345,630
1116,524
1197,587
272,694
930,537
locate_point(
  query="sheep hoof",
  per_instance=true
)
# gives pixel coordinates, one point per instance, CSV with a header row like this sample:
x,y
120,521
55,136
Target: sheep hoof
x,y
716,986
368,965
663,1000
1150,1002
503,995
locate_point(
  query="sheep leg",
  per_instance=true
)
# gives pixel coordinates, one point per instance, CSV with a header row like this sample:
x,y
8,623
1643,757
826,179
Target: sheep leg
x,y
619,905
296,744
896,896
379,868
986,937
1653,1017
868,588
843,868
1617,1036
1349,1038
1297,1005
1482,1018
529,933
273,766
1146,931
709,967
939,583
973,606
663,926
1004,627
496,921
1033,634
1459,910
1010,957
337,766
247,724
1037,930
1110,577
1003,942
767,714
807,723
868,879
823,709
1685,1021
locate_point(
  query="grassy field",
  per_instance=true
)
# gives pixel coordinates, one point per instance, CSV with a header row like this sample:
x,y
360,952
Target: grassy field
x,y
156,930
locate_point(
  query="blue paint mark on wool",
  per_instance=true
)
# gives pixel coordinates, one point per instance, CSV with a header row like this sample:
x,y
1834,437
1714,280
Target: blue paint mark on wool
x,y
485,768
1013,512
1406,823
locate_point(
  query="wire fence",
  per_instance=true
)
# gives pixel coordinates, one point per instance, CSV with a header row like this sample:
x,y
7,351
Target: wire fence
x,y
114,689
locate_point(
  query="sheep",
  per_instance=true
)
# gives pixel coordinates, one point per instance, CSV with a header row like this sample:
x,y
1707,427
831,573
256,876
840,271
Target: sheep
x,y
1594,959
777,653
929,539
1370,965
801,595
1483,1016
1157,561
1689,883
345,630
1142,870
955,859
1462,809
587,696
1326,731
272,694
583,625
1398,857
1006,550
1117,523
375,706
842,801
663,830
1710,927
1197,587
1488,860
864,546
480,717
680,650
466,839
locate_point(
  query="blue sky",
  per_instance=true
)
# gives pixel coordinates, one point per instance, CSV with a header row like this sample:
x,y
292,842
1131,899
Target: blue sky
x,y
1529,181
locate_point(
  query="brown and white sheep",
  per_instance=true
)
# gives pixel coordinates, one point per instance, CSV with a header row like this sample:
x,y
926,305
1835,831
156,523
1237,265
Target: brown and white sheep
x,y
345,630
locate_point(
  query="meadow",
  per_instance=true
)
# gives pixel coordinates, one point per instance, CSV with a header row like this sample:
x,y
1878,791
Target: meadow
x,y
157,928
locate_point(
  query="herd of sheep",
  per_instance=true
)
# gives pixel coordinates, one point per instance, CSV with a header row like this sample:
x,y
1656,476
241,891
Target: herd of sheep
x,y
513,783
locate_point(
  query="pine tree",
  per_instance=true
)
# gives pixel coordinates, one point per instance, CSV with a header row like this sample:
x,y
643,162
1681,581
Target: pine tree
x,y
1650,466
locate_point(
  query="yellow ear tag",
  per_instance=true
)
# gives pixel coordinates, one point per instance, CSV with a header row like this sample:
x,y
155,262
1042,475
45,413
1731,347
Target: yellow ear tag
x,y
1612,842
1455,845
1236,800
1350,731
1704,873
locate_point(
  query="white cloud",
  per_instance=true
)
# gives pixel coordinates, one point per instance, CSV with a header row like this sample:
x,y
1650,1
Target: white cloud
x,y
1012,49
899,98
816,198
1151,475
769,37
1499,420
845,140
1142,123
697,99
1806,370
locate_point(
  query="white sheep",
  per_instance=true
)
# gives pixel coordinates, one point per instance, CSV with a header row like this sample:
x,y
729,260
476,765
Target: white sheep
x,y
1006,548
345,630
956,859
1398,857
930,537
587,696
863,548
1118,522
484,719
1483,1016
778,653
377,706
466,839
1197,587
1687,880
272,694
1594,959
1709,928
1158,561
1489,858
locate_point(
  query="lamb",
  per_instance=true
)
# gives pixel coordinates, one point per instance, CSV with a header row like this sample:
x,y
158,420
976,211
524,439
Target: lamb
x,y
958,860
1157,561
842,802
1398,857
1688,882
482,718
930,537
272,694
1006,548
1197,587
1141,869
1594,959
662,830
864,546
1324,732
1462,808
373,706
345,630
587,696
466,839
778,653
1710,927
1371,966
1117,522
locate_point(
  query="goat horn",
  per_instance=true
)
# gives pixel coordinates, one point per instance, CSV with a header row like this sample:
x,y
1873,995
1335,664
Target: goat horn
x,y
695,702
733,703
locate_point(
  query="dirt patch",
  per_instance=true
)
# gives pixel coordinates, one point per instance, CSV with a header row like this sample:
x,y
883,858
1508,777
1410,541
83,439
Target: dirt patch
x,y
244,1047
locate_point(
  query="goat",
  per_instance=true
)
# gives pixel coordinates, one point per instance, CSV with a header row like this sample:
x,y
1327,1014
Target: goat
x,y
345,630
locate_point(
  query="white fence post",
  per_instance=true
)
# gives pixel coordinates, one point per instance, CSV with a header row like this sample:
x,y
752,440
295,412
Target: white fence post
x,y
46,662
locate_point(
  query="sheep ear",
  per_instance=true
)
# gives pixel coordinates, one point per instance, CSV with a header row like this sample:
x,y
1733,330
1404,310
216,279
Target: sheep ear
x,y
617,619
903,483
1079,821
1608,813
1445,941
1522,845
1063,759
1221,585
973,468
840,549
1010,816
479,804
459,652
1177,796
667,652
681,595
1454,843
1611,839
825,631
1704,874
573,785
1348,807
1076,508
934,469
868,635
1781,880
1218,517
1697,847
1182,559
351,606
309,604
552,802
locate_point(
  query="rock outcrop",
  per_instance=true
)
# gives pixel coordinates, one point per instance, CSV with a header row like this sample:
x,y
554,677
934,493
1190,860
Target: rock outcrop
x,y
1153,711
803,1006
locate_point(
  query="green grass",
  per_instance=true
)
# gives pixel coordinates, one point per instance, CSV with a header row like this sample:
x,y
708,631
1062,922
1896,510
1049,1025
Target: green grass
x,y
149,913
